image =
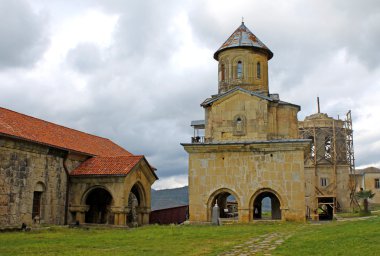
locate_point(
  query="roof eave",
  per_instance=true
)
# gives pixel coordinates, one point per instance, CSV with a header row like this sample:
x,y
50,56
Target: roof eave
x,y
46,144
264,50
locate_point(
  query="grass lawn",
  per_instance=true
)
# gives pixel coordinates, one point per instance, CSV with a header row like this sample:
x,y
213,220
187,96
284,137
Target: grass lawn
x,y
334,238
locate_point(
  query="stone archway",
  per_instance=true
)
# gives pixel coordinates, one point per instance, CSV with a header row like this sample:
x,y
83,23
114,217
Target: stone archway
x,y
266,205
136,205
227,202
99,202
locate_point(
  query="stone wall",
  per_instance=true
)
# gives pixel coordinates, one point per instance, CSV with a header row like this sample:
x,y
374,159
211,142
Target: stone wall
x,y
242,117
244,171
25,167
367,182
337,185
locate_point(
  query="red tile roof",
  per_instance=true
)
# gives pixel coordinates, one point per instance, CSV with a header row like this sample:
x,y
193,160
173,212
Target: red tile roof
x,y
36,130
100,165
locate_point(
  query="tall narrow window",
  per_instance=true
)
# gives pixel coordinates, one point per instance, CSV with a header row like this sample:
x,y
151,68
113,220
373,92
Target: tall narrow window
x,y
258,70
36,211
239,69
239,125
222,72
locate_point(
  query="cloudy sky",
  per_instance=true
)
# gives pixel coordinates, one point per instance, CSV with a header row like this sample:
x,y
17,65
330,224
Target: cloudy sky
x,y
136,71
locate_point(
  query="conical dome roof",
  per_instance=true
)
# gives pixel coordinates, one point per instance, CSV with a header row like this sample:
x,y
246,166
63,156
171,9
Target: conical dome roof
x,y
243,38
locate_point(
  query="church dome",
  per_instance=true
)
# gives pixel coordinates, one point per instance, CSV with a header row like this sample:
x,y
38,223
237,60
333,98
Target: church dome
x,y
243,38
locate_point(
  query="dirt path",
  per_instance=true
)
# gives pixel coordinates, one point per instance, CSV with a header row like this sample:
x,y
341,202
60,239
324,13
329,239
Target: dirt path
x,y
263,244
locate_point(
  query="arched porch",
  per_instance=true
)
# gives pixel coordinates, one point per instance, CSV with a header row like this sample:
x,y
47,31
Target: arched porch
x,y
266,205
228,204
99,201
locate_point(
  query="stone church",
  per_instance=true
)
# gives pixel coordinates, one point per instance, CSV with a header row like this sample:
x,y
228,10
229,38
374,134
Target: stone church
x,y
249,147
56,175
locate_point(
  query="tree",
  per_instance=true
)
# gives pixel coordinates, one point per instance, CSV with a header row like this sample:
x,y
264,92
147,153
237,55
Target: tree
x,y
365,195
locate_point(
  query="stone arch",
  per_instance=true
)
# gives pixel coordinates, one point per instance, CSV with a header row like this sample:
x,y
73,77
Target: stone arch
x,y
99,201
222,195
40,187
137,202
256,207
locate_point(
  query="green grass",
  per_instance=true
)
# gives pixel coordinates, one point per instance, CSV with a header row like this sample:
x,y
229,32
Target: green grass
x,y
333,238
337,238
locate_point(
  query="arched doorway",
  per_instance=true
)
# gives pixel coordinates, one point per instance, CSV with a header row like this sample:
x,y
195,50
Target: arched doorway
x,y
266,205
136,201
227,202
99,201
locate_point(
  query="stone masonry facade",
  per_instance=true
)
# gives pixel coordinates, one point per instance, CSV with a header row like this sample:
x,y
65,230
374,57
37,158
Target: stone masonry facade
x,y
50,174
23,167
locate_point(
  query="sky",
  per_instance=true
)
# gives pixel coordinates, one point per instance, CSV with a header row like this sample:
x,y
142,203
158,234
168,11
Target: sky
x,y
136,71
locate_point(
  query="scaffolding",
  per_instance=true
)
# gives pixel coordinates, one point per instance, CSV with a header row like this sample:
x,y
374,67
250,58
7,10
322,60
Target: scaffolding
x,y
331,146
351,158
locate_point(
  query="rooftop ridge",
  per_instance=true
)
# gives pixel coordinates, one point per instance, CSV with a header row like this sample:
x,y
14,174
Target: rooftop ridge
x,y
37,130
55,124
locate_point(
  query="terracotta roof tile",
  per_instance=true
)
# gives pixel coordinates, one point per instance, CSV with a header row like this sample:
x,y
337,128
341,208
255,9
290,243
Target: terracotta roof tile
x,y
36,130
100,165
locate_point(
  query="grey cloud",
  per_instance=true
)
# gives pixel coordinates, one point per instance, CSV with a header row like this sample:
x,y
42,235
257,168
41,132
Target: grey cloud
x,y
85,58
23,34
137,97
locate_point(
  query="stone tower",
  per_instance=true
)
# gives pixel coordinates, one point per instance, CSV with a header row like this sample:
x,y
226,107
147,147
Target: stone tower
x,y
243,61
250,151
327,164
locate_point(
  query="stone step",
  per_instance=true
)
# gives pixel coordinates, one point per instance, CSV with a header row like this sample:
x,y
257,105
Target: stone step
x,y
227,221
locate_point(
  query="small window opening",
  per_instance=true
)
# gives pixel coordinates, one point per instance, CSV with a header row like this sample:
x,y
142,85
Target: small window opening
x,y
239,125
239,69
258,70
324,182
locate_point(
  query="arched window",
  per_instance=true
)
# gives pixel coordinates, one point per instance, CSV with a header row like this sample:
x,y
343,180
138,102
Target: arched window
x,y
239,125
239,69
222,72
258,70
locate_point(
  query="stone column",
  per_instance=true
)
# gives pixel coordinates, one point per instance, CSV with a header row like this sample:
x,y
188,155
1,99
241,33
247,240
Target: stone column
x,y
120,214
243,215
143,215
80,212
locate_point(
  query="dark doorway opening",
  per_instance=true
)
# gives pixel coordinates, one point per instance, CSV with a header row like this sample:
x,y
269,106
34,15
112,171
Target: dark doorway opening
x,y
99,212
135,202
326,208
266,206
36,212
